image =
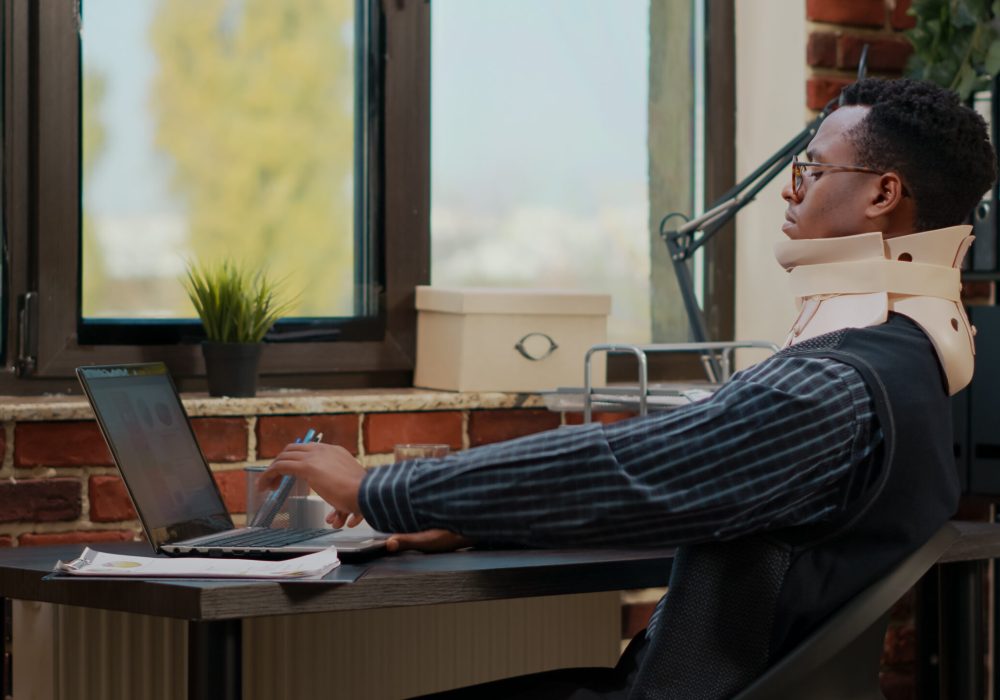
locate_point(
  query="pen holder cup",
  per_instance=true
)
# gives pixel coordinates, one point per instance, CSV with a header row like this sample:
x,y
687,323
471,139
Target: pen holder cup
x,y
419,451
294,512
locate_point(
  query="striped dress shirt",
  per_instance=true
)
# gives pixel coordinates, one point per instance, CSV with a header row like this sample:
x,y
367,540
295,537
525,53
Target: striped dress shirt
x,y
790,441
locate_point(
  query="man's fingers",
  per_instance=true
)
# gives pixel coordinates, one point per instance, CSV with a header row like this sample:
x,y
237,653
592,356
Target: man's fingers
x,y
399,543
299,447
336,519
277,469
268,480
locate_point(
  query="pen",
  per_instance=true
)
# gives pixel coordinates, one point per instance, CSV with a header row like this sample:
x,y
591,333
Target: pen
x,y
269,508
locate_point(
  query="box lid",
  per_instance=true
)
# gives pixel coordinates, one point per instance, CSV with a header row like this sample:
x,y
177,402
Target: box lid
x,y
482,300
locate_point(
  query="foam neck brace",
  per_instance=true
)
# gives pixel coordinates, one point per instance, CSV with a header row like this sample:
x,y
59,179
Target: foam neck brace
x,y
855,281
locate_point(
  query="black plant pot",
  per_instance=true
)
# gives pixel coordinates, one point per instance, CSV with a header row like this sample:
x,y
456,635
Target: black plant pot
x,y
231,368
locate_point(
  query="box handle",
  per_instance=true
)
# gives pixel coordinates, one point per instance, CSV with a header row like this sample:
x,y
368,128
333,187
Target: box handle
x,y
521,348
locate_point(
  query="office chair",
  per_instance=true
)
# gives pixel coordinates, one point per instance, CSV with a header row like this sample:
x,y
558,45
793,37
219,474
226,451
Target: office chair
x,y
840,660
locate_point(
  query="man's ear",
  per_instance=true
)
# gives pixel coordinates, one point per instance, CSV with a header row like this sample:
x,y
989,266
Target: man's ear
x,y
887,196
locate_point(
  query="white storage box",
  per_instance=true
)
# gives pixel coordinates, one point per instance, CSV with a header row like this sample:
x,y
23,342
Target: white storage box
x,y
521,340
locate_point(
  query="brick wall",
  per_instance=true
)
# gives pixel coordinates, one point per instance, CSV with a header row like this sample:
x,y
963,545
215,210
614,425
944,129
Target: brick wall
x,y
58,483
837,31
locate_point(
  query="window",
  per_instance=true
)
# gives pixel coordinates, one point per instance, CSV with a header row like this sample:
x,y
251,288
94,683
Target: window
x,y
80,287
217,129
563,130
539,149
155,132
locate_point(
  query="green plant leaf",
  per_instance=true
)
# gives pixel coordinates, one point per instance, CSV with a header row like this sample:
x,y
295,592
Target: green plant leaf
x,y
965,81
963,15
992,62
955,43
234,304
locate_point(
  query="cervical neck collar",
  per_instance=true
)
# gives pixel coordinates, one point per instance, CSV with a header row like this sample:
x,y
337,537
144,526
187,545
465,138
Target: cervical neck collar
x,y
855,281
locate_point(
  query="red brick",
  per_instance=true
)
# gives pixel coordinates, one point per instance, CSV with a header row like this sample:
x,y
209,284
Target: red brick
x,y
109,500
233,485
382,431
862,13
900,646
635,616
63,444
40,500
222,439
821,50
898,684
77,537
600,417
900,19
6,541
883,54
274,432
819,91
494,426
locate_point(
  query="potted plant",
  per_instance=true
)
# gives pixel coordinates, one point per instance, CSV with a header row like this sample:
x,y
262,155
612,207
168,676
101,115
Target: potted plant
x,y
237,308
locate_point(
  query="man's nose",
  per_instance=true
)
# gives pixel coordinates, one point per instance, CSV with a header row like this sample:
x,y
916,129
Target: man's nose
x,y
789,195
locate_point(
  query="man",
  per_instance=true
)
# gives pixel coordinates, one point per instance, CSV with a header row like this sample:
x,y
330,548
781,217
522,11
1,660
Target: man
x,y
804,478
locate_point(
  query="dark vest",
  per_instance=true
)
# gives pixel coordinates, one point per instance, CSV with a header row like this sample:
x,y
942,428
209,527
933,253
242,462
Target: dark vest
x,y
735,608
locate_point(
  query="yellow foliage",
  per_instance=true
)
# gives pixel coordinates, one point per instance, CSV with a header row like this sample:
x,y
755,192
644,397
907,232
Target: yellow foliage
x,y
253,103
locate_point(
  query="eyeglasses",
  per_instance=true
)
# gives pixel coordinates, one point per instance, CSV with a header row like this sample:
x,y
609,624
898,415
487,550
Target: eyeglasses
x,y
799,166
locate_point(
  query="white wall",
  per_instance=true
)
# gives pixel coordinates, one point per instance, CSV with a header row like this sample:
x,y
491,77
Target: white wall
x,y
770,110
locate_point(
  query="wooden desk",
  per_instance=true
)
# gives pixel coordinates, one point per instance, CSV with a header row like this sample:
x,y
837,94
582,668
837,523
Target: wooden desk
x,y
215,609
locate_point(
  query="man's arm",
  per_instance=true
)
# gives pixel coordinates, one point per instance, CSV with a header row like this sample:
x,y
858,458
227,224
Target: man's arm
x,y
781,444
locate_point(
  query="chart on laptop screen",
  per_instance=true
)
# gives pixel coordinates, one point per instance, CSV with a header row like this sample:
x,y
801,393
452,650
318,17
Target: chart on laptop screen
x,y
155,448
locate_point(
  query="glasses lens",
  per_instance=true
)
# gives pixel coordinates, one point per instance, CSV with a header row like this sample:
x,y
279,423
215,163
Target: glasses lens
x,y
796,177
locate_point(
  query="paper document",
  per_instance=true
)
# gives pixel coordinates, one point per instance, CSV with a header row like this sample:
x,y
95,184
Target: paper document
x,y
94,563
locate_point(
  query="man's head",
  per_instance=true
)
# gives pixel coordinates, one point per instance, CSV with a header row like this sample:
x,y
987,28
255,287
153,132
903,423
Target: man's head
x,y
929,156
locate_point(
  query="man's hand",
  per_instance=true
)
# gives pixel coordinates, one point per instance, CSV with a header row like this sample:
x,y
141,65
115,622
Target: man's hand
x,y
329,470
428,541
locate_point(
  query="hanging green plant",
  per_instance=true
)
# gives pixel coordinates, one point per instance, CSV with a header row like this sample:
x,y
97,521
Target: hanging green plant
x,y
956,43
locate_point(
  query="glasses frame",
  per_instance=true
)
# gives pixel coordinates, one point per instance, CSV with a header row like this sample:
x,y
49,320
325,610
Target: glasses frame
x,y
798,177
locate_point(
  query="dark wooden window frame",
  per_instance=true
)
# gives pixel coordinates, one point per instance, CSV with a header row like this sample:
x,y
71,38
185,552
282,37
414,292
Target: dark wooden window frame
x,y
41,193
720,164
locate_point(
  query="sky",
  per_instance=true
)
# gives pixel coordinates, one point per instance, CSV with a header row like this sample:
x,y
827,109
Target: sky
x,y
539,101
129,179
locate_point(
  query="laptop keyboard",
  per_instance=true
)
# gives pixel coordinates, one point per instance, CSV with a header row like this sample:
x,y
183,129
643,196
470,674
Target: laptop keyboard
x,y
264,538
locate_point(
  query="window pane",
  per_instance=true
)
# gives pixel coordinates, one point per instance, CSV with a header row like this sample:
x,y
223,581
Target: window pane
x,y
212,129
539,156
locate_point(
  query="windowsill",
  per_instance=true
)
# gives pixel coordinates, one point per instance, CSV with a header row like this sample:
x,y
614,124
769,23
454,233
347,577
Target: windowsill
x,y
284,401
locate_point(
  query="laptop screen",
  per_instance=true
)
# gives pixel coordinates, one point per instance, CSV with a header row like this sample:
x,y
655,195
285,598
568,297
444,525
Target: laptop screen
x,y
155,449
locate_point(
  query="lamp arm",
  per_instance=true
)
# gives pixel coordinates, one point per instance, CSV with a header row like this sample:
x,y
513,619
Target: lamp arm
x,y
683,241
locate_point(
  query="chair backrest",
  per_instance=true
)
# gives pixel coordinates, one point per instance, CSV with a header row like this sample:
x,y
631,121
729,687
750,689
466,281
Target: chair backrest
x,y
840,660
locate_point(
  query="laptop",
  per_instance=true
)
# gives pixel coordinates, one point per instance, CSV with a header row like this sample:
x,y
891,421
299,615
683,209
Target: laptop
x,y
149,434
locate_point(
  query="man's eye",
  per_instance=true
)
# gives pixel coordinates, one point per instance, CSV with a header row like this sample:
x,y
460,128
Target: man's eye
x,y
814,174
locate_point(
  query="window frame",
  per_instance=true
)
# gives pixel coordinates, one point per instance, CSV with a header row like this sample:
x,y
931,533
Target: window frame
x,y
41,74
720,164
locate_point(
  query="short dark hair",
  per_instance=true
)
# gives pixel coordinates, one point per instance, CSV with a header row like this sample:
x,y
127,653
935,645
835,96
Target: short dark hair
x,y
938,146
